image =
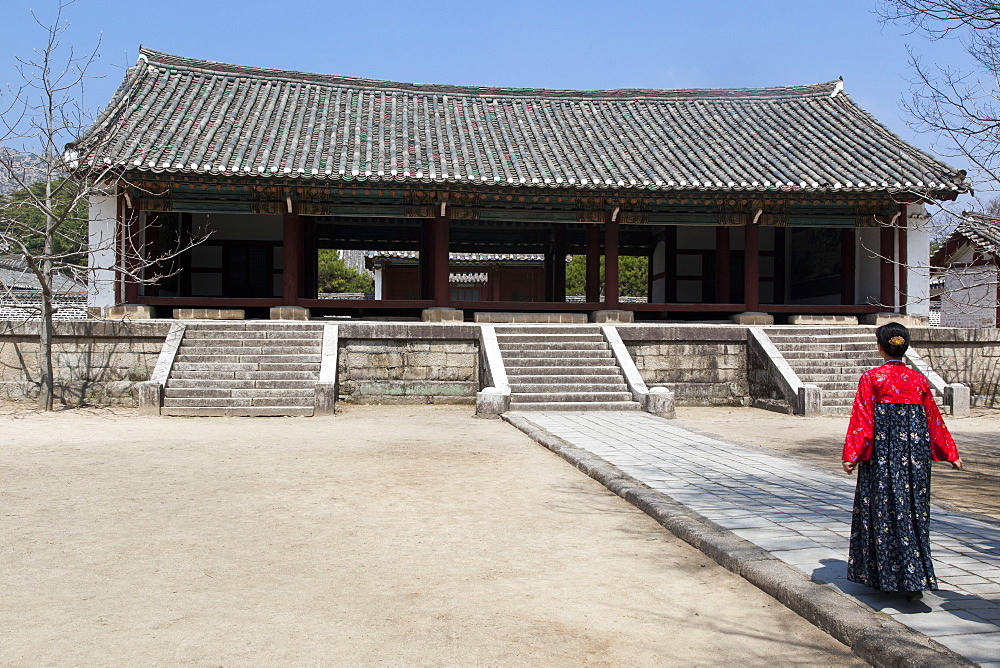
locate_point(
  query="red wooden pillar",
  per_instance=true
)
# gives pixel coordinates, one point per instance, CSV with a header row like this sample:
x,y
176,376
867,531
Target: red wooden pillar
x,y
887,253
722,265
292,258
611,264
751,266
440,260
901,254
310,253
593,263
548,266
848,245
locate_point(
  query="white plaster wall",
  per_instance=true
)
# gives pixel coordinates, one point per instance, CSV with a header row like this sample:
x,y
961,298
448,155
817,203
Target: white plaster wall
x,y
918,260
969,298
102,255
378,283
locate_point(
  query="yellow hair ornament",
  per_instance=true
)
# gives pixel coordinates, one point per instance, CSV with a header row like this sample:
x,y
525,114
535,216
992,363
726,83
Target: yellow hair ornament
x,y
897,341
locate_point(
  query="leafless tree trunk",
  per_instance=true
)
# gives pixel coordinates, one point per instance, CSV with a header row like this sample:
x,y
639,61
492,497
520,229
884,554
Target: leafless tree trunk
x,y
45,221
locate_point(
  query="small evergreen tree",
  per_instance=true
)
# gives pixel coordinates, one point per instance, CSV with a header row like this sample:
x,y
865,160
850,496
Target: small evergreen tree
x,y
336,277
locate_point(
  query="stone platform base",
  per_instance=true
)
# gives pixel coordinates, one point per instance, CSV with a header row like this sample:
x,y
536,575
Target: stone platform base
x,y
822,320
289,313
209,314
129,312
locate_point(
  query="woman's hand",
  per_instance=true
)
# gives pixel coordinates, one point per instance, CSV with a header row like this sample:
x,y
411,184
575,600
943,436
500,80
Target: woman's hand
x,y
849,467
957,464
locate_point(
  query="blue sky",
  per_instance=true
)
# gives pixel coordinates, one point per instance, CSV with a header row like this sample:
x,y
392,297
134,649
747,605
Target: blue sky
x,y
537,43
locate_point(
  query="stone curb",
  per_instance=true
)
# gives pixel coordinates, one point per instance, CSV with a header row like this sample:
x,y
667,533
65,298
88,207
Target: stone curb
x,y
873,636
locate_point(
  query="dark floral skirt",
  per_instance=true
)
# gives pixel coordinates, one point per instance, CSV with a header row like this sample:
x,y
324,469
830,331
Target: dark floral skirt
x,y
890,529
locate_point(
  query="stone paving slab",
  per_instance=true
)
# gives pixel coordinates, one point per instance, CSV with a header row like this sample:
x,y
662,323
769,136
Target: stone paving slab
x,y
800,515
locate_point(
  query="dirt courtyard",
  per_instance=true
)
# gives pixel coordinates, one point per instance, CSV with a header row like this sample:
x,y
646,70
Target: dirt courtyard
x,y
385,535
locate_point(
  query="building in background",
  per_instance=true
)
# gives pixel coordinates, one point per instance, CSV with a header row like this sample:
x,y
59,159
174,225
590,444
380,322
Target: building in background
x,y
21,293
968,263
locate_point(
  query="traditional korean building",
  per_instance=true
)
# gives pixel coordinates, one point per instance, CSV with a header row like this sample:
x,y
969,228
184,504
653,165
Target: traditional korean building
x,y
788,200
968,267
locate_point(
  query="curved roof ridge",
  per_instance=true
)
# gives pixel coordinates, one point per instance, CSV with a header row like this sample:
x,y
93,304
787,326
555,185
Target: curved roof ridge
x,y
158,58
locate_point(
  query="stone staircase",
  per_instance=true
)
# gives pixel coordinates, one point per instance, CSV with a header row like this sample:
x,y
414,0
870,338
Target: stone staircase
x,y
245,369
569,368
832,359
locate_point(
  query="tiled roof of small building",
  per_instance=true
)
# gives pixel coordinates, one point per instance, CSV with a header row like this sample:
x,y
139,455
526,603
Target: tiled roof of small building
x,y
179,115
459,257
982,230
17,278
978,229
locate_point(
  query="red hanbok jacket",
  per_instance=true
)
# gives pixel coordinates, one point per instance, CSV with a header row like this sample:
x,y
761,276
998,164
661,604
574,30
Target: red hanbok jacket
x,y
894,383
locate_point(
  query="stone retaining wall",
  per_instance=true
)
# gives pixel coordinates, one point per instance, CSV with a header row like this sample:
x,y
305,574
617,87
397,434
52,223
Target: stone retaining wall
x,y
705,365
408,363
93,361
967,356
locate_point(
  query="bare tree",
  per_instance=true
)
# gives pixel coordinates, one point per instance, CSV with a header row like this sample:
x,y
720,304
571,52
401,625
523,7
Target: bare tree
x,y
957,104
45,221
960,105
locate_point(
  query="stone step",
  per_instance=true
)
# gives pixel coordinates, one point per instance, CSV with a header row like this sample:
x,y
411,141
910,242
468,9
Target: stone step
x,y
536,330
304,394
557,338
252,374
557,361
781,340
561,369
252,325
287,366
830,394
562,354
234,384
545,344
554,388
236,402
267,344
819,331
830,354
830,379
568,378
832,365
249,348
867,347
209,383
575,406
531,397
187,358
251,411
180,366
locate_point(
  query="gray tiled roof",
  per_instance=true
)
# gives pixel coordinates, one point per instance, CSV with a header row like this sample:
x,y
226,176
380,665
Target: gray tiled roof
x,y
459,258
982,230
179,115
15,277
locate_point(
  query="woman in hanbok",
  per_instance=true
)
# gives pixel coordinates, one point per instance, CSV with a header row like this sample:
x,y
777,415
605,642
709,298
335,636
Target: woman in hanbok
x,y
896,430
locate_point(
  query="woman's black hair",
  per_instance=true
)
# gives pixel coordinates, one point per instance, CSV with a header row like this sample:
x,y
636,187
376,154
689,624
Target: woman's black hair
x,y
888,337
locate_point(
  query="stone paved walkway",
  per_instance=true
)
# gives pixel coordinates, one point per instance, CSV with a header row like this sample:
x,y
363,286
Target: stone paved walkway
x,y
802,516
